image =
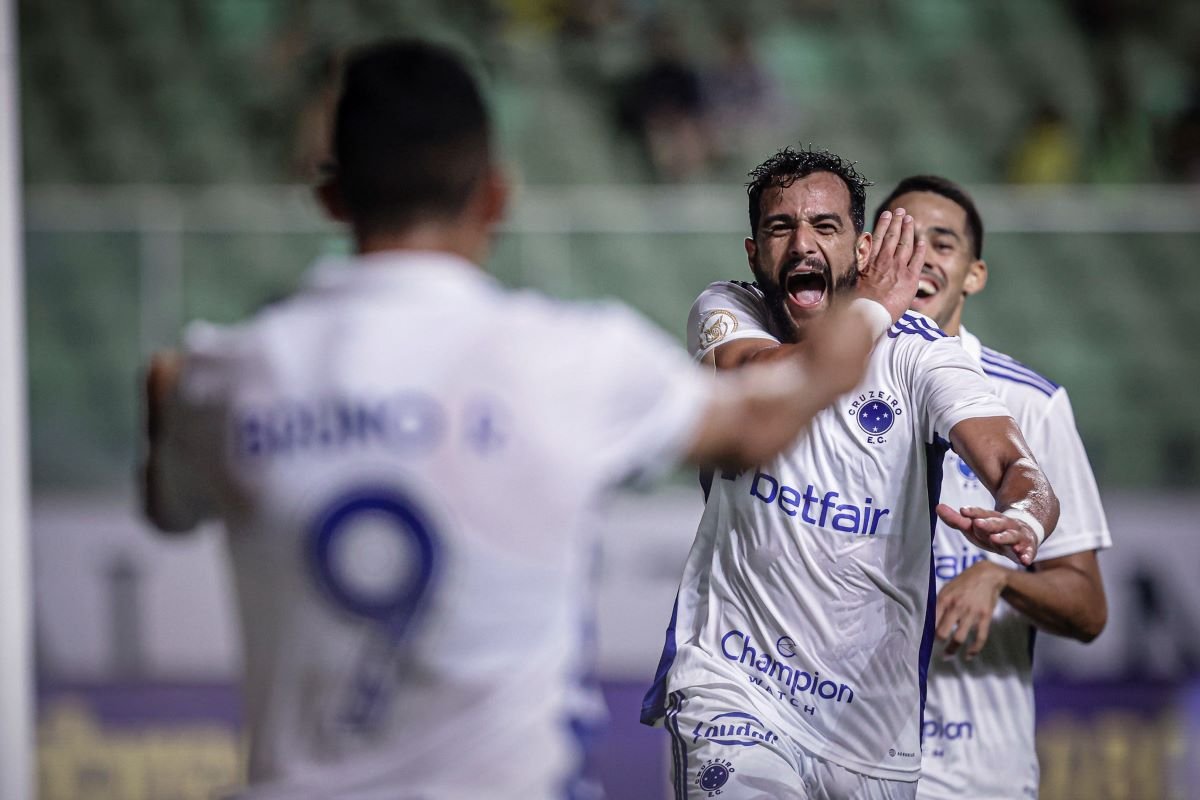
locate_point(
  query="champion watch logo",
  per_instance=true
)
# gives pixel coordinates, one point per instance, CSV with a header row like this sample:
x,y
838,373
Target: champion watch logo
x,y
876,412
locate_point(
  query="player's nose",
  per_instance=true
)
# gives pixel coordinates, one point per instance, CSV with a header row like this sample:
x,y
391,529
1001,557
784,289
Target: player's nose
x,y
804,241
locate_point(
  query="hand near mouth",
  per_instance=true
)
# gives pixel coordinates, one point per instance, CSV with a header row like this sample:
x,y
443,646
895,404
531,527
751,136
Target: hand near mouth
x,y
894,266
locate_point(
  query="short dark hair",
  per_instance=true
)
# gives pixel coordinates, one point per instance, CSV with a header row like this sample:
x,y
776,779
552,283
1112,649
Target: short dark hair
x,y
411,136
790,165
947,189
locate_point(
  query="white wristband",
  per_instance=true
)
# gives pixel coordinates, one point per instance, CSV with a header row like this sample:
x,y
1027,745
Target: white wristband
x,y
1028,519
878,318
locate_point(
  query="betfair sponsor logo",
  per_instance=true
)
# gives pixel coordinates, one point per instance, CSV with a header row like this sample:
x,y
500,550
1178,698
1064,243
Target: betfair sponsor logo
x,y
829,510
947,567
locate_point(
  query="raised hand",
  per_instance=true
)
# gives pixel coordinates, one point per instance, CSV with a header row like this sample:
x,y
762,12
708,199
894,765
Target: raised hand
x,y
993,531
965,606
894,265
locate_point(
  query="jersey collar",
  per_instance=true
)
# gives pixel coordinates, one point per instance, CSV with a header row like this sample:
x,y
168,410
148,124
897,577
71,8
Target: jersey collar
x,y
397,269
971,343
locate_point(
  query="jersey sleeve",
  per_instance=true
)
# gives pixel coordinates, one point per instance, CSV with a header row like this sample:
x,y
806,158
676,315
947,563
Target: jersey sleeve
x,y
949,387
726,312
644,398
1055,442
192,433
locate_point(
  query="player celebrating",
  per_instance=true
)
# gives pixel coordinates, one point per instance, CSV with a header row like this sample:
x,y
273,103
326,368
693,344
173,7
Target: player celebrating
x,y
978,733
404,456
795,661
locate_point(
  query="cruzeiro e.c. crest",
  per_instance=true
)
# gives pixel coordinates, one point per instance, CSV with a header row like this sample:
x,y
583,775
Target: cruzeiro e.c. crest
x,y
969,478
713,775
876,412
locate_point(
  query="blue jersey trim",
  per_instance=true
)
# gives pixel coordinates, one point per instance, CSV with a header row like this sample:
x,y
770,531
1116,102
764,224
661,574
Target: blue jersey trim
x,y
1042,386
586,730
921,326
654,704
935,455
678,747
1015,367
1000,361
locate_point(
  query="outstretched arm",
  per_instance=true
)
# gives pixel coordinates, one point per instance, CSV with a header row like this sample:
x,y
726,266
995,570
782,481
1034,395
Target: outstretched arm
x,y
758,410
1026,507
171,496
160,379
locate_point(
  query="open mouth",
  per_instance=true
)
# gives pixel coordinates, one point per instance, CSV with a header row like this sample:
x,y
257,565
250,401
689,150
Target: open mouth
x,y
806,288
927,285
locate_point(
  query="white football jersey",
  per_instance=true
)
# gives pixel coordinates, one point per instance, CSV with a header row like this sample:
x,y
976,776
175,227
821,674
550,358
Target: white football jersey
x,y
809,584
979,716
405,456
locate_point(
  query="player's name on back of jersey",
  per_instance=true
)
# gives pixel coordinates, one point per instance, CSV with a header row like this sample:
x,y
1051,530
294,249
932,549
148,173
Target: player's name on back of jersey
x,y
829,510
406,422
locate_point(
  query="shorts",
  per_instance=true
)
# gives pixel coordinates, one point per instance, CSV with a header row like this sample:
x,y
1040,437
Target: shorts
x,y
718,749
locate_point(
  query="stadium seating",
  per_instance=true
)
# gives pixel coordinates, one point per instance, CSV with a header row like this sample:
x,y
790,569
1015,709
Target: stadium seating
x,y
202,93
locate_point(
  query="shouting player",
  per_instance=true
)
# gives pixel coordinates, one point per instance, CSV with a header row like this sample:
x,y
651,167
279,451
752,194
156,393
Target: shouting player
x,y
978,732
796,657
404,456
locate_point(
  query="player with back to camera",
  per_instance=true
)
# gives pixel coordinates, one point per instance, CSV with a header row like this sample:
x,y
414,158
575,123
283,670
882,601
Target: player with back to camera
x,y
404,456
796,656
978,732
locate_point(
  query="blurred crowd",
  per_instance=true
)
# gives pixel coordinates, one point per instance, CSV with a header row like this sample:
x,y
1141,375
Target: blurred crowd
x,y
1081,91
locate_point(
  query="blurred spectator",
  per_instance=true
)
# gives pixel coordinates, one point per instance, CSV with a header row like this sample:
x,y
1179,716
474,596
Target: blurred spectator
x,y
1123,143
742,97
1182,156
591,35
586,20
1048,151
1181,141
663,107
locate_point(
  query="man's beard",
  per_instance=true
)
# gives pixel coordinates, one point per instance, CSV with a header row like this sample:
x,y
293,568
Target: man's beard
x,y
776,301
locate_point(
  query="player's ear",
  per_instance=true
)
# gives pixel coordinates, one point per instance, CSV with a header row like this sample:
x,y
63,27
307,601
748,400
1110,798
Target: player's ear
x,y
751,251
977,275
495,192
862,250
329,195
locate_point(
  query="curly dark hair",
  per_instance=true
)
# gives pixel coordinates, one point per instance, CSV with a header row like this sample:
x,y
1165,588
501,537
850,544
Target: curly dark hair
x,y
790,165
948,189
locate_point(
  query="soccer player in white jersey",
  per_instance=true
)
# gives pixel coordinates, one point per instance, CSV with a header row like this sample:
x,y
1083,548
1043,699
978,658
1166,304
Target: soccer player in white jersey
x,y
404,456
979,716
796,655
